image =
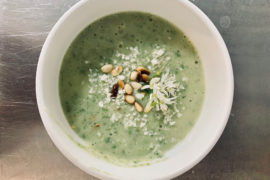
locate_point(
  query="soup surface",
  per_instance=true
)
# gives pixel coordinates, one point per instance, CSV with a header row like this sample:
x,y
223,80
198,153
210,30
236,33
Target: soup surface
x,y
168,100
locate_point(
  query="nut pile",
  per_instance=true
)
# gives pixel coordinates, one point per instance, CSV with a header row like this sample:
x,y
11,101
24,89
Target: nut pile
x,y
138,76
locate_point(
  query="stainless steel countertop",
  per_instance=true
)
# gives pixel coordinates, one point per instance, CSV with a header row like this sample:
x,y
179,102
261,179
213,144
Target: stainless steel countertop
x,y
243,151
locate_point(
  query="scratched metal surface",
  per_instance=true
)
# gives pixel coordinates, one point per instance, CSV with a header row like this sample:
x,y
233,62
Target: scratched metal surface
x,y
243,152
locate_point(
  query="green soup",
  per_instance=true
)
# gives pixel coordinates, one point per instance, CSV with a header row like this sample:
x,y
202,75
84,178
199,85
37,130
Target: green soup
x,y
112,128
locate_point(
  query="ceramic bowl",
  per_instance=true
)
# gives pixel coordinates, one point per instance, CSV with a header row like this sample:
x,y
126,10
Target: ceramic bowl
x,y
218,79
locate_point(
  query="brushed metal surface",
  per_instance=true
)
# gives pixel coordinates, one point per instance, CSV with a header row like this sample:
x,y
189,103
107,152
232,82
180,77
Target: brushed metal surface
x,y
243,151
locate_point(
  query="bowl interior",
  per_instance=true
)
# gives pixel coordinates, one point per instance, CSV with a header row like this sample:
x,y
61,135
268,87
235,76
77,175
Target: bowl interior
x,y
218,77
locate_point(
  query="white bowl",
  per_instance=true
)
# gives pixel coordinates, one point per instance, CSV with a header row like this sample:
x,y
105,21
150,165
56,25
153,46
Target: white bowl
x,y
218,78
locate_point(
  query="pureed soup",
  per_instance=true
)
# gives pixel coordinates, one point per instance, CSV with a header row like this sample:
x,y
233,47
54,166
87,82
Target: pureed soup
x,y
131,86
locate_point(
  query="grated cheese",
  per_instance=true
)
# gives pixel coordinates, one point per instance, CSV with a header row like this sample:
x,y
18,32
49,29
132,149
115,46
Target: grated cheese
x,y
104,82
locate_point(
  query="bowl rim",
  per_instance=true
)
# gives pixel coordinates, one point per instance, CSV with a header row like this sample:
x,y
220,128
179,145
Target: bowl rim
x,y
177,172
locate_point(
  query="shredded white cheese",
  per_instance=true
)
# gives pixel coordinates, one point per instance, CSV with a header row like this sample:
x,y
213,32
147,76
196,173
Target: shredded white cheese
x,y
131,118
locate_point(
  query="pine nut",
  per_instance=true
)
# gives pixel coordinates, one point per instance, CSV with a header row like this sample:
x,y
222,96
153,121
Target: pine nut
x,y
136,85
129,99
121,84
138,107
107,68
116,71
148,108
143,70
133,75
145,78
128,89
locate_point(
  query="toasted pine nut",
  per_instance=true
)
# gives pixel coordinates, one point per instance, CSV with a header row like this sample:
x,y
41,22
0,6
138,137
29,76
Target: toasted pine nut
x,y
129,99
143,70
133,75
136,85
148,108
116,71
121,84
107,68
128,89
138,107
145,77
